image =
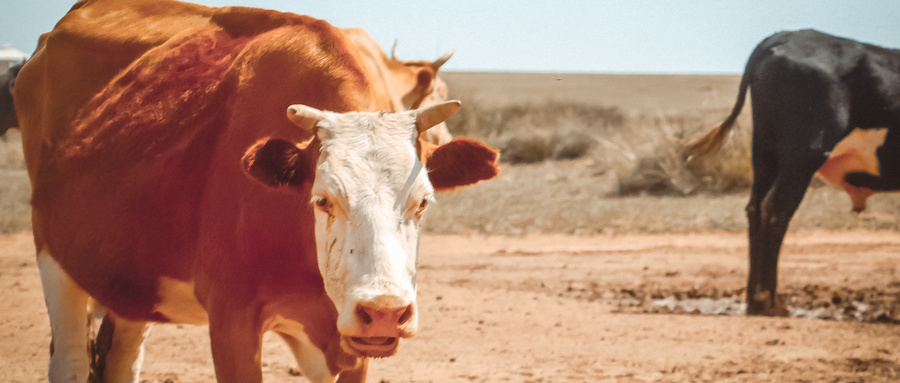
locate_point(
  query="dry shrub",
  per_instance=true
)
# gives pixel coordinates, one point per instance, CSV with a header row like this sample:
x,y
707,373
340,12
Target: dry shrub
x,y
15,189
729,168
11,156
476,120
15,197
571,146
664,169
641,149
629,152
525,150
535,132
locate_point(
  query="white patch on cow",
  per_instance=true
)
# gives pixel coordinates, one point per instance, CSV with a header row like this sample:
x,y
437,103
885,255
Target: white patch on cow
x,y
67,306
310,359
126,356
178,302
367,240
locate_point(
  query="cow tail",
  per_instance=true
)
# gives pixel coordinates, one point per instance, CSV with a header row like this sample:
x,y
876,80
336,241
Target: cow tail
x,y
711,141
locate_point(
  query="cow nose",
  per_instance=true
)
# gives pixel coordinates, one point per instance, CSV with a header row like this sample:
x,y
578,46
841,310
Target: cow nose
x,y
385,317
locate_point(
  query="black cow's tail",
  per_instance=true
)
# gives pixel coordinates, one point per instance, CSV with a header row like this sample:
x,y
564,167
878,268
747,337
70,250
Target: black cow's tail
x,y
712,141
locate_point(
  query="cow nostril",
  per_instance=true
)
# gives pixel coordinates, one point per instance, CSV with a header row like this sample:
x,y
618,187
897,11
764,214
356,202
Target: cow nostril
x,y
385,316
405,316
363,316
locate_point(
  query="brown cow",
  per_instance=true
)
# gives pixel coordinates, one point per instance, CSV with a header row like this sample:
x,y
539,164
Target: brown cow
x,y
169,186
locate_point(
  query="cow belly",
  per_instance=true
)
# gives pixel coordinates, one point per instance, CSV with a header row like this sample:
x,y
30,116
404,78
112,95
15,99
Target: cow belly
x,y
178,303
140,298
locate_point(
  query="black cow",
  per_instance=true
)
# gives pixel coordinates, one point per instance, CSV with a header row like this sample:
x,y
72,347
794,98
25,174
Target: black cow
x,y
810,90
7,109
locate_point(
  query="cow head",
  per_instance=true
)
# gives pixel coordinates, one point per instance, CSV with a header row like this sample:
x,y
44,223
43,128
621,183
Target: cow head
x,y
370,191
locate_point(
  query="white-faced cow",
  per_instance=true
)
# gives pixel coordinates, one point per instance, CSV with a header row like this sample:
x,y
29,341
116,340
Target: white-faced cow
x,y
170,185
809,91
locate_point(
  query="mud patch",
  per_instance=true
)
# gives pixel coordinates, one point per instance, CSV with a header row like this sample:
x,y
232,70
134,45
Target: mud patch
x,y
877,366
868,305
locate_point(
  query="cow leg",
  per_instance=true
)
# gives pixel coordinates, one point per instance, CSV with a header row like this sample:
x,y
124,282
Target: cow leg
x,y
67,308
769,218
768,225
236,341
357,375
782,174
763,263
119,349
310,359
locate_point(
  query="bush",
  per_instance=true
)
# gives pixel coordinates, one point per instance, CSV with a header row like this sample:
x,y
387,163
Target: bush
x,y
15,189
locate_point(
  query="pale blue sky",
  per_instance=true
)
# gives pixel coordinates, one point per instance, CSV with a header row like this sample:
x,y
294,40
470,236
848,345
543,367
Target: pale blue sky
x,y
634,36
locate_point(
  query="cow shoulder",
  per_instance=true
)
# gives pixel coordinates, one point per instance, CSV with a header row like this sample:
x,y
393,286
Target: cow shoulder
x,y
170,93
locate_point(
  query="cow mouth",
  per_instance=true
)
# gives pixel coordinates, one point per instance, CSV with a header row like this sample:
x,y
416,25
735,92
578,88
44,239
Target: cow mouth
x,y
373,347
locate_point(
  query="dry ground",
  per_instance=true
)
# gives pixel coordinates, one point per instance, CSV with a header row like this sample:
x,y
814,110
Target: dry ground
x,y
551,274
548,308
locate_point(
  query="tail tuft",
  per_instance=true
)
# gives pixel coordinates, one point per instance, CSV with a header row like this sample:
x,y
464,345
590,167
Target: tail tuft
x,y
706,144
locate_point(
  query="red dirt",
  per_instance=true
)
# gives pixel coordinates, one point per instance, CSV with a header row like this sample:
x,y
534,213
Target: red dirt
x,y
553,308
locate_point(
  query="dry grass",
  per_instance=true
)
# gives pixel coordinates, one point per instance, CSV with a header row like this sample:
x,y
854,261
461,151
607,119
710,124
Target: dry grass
x,y
632,178
530,133
633,139
579,197
15,190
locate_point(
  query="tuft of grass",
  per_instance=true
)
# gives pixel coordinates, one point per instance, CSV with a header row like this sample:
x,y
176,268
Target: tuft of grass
x,y
15,188
535,132
659,166
528,149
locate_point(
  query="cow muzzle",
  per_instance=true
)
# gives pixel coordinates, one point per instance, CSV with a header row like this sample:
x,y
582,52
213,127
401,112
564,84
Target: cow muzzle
x,y
379,327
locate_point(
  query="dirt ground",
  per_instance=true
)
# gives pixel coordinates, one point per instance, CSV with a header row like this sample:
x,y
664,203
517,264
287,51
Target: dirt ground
x,y
556,308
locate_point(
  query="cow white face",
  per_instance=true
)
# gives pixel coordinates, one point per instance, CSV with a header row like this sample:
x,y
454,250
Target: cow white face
x,y
370,193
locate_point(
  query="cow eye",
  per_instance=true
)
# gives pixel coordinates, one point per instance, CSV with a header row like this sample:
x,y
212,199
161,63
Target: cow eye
x,y
422,206
323,204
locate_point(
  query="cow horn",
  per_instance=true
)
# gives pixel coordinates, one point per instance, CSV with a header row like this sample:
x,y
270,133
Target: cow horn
x,y
394,51
301,114
428,117
437,64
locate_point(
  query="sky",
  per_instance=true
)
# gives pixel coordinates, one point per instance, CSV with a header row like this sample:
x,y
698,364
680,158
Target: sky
x,y
561,36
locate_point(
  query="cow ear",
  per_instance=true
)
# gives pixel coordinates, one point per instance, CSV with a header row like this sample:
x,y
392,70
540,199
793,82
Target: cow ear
x,y
418,93
277,162
423,81
461,162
